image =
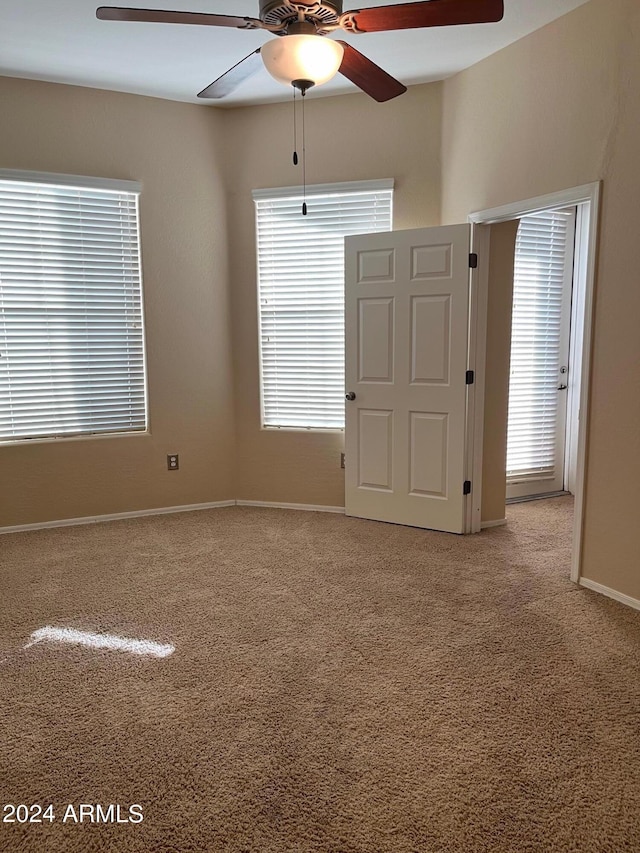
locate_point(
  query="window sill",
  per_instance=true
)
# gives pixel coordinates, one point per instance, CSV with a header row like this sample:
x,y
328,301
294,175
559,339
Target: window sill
x,y
23,442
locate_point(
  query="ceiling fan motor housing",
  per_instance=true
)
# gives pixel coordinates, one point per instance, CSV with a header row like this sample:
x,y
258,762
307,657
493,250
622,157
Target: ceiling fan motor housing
x,y
325,13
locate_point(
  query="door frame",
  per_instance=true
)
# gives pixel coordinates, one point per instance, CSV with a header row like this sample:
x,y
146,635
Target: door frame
x,y
587,195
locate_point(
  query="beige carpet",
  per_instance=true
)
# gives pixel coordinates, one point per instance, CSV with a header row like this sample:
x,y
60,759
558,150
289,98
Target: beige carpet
x,y
337,685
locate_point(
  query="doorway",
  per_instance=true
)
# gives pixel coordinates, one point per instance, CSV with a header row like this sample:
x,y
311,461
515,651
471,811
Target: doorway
x,y
545,325
585,200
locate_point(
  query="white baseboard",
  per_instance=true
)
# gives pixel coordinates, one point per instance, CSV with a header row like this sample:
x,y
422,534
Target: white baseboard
x,y
115,516
610,593
499,522
304,507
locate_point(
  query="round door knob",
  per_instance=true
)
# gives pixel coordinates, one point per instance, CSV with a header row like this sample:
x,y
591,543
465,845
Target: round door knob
x,y
350,395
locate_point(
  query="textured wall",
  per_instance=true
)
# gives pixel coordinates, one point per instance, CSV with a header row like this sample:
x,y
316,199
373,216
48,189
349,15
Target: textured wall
x,y
173,149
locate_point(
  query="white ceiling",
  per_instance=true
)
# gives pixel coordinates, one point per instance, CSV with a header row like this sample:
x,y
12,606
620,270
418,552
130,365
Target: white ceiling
x,y
62,41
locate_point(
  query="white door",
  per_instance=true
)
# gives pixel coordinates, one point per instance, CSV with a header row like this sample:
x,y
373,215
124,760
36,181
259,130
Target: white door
x,y
407,319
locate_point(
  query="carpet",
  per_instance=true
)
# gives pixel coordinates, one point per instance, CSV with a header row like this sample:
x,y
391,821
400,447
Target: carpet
x,y
326,685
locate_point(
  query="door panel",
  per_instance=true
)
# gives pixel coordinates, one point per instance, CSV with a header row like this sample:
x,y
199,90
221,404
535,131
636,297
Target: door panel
x,y
431,262
375,340
375,441
430,343
428,454
376,265
407,306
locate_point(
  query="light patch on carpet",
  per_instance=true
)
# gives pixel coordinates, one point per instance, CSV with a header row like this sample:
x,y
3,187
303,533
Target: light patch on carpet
x,y
100,641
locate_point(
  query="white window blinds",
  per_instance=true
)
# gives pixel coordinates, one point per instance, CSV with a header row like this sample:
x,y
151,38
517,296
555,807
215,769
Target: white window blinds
x,y
539,345
71,337
301,296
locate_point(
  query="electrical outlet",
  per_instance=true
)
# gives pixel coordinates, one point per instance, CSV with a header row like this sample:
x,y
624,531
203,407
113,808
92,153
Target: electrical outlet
x,y
173,462
342,460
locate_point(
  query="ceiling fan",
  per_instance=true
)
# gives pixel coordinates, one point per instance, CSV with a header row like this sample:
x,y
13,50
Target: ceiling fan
x,y
303,57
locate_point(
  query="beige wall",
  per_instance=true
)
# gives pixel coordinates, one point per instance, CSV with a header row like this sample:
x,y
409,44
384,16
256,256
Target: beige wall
x,y
174,150
348,138
498,358
558,109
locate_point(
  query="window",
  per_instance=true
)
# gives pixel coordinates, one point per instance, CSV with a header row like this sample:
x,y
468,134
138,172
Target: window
x,y
71,336
301,296
540,352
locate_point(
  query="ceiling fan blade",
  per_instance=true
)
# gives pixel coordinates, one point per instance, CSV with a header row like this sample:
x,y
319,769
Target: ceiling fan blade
x,y
368,76
231,79
429,13
159,16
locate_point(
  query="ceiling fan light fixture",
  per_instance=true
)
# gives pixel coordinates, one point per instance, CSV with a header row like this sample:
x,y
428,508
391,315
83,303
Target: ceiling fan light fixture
x,y
309,58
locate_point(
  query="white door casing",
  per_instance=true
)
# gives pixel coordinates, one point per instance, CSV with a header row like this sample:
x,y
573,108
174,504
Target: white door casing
x,y
407,322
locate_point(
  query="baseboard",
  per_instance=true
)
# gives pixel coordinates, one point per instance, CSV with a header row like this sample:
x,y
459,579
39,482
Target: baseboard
x,y
499,522
610,593
115,516
542,497
304,507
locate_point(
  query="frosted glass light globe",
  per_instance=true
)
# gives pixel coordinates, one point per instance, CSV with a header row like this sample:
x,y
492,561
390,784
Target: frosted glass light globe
x,y
302,57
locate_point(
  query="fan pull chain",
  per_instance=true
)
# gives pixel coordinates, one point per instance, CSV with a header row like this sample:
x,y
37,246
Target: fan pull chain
x,y
304,162
296,159
295,130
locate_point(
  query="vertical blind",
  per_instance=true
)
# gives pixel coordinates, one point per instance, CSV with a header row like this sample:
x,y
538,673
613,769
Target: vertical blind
x,y
538,341
301,296
71,337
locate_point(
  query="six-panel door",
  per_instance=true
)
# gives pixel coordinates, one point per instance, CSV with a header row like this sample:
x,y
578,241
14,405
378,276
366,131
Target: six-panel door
x,y
407,305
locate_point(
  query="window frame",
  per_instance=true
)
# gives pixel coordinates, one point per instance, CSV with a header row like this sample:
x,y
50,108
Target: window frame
x,y
297,193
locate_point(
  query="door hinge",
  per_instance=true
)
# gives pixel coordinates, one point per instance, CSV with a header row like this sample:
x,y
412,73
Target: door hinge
x,y
466,487
471,377
473,261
